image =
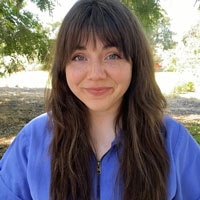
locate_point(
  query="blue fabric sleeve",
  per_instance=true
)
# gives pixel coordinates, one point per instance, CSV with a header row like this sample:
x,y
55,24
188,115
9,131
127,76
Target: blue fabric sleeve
x,y
25,167
185,163
187,154
6,193
13,169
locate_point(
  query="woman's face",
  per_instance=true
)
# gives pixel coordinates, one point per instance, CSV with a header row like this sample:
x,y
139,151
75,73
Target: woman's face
x,y
99,76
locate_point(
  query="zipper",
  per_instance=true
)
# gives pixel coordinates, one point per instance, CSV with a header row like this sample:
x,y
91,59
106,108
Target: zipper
x,y
98,171
98,179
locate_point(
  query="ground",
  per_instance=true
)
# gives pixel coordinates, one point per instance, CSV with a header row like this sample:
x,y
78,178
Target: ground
x,y
18,105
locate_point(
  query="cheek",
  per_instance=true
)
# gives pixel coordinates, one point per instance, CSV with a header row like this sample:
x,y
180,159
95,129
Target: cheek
x,y
123,75
74,75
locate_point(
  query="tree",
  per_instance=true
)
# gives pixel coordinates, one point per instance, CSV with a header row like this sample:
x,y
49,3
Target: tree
x,y
191,46
186,55
44,5
148,11
21,35
154,21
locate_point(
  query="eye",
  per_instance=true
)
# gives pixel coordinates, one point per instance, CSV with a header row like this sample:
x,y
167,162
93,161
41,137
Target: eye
x,y
113,56
78,58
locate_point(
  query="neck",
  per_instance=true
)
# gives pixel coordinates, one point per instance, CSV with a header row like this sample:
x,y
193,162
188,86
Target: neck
x,y
102,132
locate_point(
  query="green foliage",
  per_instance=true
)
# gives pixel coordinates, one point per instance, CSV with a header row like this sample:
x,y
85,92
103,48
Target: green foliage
x,y
186,87
21,35
191,42
194,129
14,64
154,21
170,68
44,5
197,138
148,12
161,35
186,55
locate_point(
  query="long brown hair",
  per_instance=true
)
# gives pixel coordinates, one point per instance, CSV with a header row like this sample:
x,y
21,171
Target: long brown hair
x,y
144,161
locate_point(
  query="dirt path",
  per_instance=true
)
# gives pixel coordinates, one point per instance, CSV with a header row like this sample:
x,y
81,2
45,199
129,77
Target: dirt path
x,y
179,106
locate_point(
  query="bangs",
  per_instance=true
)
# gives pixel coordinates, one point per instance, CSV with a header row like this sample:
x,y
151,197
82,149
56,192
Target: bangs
x,y
94,22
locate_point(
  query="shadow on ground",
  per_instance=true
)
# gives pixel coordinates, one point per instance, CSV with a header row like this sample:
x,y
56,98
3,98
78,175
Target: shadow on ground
x,y
17,107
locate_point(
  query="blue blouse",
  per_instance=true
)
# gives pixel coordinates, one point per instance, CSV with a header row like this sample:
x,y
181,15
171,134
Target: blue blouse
x,y
25,167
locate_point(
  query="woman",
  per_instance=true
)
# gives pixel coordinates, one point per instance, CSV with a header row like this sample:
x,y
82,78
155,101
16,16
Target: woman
x,y
105,135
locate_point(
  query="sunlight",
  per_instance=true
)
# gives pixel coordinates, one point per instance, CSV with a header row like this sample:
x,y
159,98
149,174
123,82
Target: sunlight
x,y
183,14
59,12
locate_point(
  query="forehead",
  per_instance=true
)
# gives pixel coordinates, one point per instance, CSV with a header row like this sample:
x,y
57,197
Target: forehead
x,y
94,41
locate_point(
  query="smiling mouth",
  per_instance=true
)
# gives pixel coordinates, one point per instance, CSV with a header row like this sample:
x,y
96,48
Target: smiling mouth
x,y
98,91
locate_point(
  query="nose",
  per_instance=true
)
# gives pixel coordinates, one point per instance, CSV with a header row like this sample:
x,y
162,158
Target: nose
x,y
96,71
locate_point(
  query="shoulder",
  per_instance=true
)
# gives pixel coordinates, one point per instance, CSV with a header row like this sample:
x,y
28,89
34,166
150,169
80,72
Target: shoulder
x,y
172,126
37,132
180,144
33,137
176,133
28,155
38,122
184,156
39,126
30,143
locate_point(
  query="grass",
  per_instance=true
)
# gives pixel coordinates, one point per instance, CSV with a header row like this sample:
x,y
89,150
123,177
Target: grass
x,y
194,129
184,88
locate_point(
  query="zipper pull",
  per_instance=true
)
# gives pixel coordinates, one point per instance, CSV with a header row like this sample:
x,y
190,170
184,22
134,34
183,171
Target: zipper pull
x,y
98,167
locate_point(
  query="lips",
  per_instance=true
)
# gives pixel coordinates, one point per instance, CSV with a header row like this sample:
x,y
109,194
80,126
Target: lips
x,y
98,91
